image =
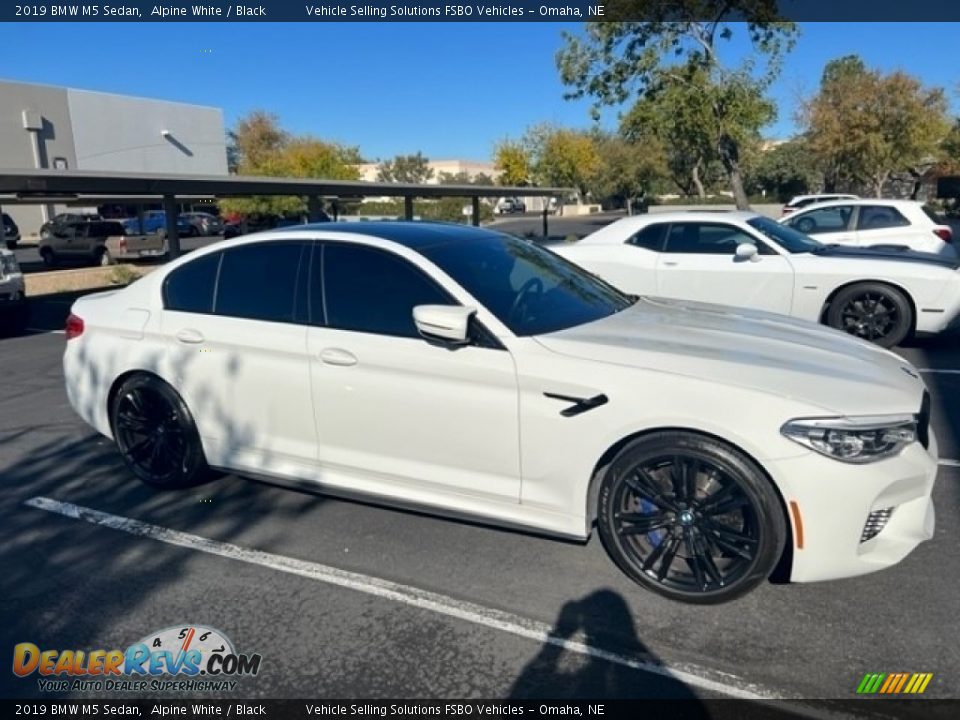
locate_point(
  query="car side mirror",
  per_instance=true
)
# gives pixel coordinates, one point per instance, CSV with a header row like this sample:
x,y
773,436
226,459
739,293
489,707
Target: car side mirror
x,y
747,251
448,324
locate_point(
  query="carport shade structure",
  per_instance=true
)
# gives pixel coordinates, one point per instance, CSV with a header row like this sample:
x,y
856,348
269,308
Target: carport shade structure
x,y
46,186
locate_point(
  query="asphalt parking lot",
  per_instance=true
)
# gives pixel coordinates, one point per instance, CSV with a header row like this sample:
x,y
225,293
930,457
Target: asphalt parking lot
x,y
347,599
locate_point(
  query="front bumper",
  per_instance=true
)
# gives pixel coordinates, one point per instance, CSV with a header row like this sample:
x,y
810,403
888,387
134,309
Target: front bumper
x,y
835,500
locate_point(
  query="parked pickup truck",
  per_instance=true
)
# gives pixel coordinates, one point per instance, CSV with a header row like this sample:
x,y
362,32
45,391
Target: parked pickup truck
x,y
102,242
13,305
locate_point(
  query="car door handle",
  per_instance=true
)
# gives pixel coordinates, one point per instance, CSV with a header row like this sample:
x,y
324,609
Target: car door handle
x,y
670,263
190,336
336,356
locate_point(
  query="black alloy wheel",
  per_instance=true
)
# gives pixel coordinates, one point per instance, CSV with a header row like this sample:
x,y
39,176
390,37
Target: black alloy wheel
x,y
156,435
872,311
690,518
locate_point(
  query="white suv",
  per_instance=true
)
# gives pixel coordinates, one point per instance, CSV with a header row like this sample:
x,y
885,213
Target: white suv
x,y
872,222
802,201
13,304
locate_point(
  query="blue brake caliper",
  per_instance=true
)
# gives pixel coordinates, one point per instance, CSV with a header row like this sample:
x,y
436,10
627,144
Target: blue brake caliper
x,y
648,508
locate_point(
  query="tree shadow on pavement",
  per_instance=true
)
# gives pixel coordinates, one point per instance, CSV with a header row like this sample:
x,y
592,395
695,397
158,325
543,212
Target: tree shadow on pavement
x,y
585,660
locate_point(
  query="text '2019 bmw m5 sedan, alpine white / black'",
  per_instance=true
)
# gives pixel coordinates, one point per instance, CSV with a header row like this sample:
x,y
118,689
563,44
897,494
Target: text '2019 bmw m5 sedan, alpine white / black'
x,y
475,374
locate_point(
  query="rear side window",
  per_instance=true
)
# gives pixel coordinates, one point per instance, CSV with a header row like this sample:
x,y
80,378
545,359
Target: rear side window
x,y
190,287
261,282
370,290
877,217
651,237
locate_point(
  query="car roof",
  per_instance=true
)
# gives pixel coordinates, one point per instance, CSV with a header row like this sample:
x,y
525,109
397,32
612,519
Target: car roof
x,y
863,201
414,234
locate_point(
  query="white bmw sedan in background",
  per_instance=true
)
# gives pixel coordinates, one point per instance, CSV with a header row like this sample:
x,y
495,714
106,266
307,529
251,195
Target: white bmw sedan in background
x,y
747,260
475,374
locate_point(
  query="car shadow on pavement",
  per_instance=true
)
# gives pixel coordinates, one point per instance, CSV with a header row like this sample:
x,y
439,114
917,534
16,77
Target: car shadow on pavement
x,y
572,665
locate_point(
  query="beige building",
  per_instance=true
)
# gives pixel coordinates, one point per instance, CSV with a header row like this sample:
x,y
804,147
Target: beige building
x,y
368,171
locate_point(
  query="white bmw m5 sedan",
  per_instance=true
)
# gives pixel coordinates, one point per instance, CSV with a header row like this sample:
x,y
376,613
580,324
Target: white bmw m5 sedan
x,y
474,374
747,260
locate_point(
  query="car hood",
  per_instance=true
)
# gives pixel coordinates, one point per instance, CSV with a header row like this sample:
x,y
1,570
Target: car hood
x,y
891,253
771,353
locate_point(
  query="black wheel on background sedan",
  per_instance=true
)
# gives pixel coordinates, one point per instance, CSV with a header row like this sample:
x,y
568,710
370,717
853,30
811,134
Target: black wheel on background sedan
x,y
690,518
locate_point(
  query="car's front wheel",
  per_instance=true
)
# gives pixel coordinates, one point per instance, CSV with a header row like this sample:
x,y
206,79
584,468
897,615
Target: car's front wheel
x,y
872,311
690,518
155,433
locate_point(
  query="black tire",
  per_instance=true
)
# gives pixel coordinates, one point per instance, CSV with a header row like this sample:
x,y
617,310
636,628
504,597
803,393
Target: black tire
x,y
156,435
11,244
102,257
876,312
690,518
48,256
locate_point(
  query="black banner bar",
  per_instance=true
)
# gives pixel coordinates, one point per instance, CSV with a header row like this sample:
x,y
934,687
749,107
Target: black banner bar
x,y
688,709
450,11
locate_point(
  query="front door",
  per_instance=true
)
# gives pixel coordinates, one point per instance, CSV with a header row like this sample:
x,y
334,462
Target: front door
x,y
394,413
699,263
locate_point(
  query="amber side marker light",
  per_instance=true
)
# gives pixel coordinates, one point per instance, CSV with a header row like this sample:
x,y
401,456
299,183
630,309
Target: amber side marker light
x,y
797,524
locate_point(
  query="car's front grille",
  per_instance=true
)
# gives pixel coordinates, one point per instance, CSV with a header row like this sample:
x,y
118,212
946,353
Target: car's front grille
x,y
876,521
923,421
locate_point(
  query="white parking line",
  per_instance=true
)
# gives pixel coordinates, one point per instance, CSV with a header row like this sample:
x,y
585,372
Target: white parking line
x,y
941,371
946,462
691,675
40,331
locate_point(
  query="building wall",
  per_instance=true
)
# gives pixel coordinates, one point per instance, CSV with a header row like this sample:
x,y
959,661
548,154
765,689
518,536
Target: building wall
x,y
85,130
124,134
16,143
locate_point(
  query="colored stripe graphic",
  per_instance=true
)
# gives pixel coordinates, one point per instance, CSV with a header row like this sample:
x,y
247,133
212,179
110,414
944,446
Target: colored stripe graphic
x,y
894,683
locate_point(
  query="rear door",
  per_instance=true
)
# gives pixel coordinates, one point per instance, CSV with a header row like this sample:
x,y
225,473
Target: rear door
x,y
833,224
699,263
235,323
883,225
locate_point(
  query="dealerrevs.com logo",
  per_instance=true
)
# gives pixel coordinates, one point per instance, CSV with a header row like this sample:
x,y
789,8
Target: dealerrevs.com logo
x,y
182,658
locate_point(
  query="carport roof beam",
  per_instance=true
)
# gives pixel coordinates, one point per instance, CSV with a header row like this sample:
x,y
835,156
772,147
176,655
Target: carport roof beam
x,y
28,183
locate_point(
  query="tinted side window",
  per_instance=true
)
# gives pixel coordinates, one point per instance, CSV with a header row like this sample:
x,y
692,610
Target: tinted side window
x,y
876,217
259,282
370,290
651,237
709,239
189,288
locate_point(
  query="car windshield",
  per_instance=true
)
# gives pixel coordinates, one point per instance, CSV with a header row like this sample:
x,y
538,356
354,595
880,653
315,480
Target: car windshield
x,y
786,237
529,289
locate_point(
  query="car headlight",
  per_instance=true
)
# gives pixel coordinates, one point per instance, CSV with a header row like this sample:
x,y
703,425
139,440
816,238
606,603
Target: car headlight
x,y
854,439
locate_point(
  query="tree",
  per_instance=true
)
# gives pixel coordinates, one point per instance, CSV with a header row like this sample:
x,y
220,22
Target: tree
x,y
676,50
865,126
256,139
678,118
263,148
784,171
512,161
562,157
405,169
626,171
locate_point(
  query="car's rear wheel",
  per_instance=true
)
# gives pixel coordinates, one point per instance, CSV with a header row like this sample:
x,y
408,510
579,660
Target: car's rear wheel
x,y
872,311
11,244
48,256
156,435
690,518
103,257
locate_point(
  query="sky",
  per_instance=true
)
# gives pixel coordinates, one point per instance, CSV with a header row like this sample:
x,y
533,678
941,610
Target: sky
x,y
449,90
